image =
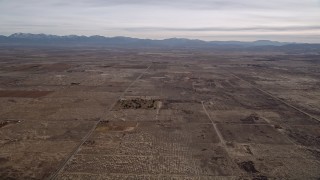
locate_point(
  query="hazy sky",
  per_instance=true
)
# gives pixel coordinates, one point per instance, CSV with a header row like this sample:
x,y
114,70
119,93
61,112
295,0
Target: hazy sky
x,y
246,20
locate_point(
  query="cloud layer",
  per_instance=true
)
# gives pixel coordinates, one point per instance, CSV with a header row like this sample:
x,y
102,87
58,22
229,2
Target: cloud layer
x,y
246,20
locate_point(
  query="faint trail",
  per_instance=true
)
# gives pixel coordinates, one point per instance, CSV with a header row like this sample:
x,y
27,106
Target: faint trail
x,y
214,125
159,106
276,98
158,176
84,139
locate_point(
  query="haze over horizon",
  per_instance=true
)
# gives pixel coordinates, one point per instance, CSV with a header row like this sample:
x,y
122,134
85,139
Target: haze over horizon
x,y
222,20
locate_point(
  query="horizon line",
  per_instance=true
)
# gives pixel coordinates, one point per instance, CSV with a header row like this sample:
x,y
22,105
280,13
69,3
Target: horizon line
x,y
160,39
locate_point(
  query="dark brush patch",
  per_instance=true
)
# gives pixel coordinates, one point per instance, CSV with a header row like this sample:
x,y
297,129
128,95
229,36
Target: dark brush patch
x,y
248,166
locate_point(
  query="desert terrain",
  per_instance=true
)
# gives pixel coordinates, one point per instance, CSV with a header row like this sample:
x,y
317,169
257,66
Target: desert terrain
x,y
98,113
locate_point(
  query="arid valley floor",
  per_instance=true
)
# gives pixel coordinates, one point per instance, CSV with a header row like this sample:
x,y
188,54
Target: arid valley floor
x,y
126,114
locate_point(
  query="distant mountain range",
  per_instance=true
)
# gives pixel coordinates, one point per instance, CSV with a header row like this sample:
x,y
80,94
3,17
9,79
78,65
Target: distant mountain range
x,y
74,40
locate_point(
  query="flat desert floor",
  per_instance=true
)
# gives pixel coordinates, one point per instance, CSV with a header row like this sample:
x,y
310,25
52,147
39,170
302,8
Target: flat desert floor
x,y
141,114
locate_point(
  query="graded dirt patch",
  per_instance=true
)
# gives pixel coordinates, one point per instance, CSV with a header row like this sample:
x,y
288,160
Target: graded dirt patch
x,y
247,133
129,66
55,67
121,126
23,94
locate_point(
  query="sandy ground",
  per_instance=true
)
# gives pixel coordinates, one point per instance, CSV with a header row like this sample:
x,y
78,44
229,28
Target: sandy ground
x,y
103,114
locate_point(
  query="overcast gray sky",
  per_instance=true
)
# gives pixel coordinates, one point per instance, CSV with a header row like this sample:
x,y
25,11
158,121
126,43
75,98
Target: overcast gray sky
x,y
245,20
